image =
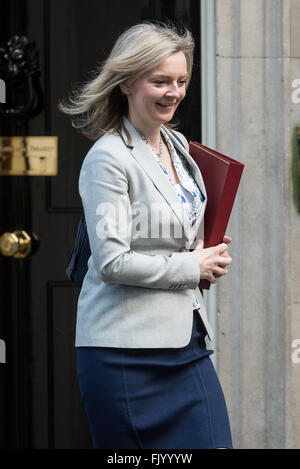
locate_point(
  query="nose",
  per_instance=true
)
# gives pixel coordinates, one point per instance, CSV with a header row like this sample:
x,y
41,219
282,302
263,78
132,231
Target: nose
x,y
173,91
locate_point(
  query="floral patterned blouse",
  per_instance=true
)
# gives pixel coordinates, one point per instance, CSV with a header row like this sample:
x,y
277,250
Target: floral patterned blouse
x,y
187,190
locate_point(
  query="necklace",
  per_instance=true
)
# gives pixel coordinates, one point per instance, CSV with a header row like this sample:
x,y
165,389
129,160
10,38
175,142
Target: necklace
x,y
159,154
160,147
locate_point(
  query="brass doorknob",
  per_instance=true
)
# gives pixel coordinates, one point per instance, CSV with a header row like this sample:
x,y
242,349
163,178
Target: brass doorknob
x,y
16,244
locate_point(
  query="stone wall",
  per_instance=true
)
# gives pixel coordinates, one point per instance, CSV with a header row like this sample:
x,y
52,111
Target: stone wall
x,y
258,52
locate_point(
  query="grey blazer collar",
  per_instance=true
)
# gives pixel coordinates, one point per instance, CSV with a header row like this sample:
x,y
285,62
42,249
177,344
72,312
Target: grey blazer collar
x,y
142,153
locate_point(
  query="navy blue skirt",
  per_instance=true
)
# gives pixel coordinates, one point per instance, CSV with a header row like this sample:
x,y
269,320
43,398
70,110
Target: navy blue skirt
x,y
168,398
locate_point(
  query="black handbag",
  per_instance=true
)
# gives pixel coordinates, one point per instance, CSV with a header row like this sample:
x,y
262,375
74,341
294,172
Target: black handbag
x,y
77,264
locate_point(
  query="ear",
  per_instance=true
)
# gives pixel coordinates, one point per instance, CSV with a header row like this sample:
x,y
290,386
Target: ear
x,y
125,88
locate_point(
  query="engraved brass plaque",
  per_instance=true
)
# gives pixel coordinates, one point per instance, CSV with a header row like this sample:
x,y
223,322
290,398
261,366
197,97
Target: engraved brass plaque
x,y
28,156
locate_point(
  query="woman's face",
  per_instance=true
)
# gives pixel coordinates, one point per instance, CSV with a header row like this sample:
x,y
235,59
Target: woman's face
x,y
153,98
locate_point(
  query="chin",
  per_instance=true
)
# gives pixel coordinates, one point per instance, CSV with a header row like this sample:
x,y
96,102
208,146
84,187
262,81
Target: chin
x,y
165,119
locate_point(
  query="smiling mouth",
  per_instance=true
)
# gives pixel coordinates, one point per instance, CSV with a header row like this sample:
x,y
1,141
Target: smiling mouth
x,y
166,106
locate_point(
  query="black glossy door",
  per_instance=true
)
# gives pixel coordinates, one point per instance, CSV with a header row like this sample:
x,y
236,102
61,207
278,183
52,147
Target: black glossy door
x,y
39,397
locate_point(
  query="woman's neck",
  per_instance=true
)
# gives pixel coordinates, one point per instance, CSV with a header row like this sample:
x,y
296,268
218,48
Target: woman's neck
x,y
151,133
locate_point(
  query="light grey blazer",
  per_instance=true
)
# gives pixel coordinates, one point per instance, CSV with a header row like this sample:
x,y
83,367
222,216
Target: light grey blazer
x,y
138,290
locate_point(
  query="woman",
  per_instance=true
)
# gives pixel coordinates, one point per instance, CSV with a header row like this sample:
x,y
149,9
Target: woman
x,y
144,371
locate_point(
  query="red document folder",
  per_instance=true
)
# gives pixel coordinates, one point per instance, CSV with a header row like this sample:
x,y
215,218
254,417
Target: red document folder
x,y
221,175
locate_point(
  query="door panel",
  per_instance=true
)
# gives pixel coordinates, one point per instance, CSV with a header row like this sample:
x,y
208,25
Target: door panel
x,y
39,396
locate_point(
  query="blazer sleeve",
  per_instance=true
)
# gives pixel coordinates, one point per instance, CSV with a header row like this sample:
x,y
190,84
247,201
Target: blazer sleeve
x,y
103,187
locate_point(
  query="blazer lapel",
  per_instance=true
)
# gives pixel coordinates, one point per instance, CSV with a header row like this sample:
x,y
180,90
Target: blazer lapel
x,y
198,227
143,154
195,171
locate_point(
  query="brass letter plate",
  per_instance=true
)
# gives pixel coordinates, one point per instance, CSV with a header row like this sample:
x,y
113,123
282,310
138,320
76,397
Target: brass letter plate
x,y
28,156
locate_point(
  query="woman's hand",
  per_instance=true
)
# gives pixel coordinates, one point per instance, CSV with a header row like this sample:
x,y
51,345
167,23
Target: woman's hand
x,y
227,239
213,261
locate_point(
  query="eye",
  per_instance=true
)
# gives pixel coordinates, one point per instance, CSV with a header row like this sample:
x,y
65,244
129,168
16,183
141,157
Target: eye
x,y
182,82
158,82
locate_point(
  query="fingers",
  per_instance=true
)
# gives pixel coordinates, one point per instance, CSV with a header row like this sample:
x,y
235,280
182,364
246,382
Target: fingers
x,y
212,279
214,260
222,247
227,239
220,271
224,260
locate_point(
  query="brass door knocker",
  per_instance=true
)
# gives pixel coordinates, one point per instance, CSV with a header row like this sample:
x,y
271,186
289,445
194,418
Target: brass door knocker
x,y
19,68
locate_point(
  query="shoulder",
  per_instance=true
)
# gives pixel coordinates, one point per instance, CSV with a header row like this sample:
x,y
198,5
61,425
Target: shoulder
x,y
107,161
108,143
108,148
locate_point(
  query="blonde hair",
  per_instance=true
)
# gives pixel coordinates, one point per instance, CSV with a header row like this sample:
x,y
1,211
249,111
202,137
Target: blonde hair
x,y
97,107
